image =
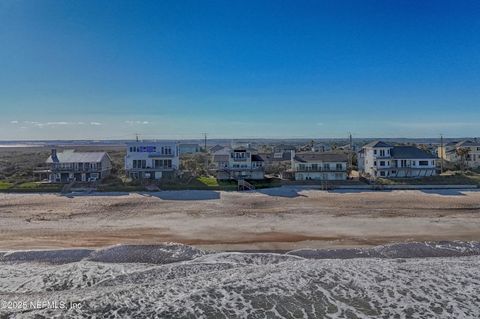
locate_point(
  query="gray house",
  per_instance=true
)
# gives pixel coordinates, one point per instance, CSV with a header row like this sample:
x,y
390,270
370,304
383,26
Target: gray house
x,y
67,166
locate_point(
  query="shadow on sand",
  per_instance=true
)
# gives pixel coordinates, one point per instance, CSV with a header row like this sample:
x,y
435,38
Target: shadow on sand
x,y
289,192
184,195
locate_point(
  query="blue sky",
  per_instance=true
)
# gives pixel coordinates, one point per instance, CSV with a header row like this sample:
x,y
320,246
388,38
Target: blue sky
x,y
174,69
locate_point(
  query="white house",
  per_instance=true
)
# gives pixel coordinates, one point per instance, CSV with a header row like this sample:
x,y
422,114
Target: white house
x,y
239,163
152,160
67,166
464,153
319,166
380,159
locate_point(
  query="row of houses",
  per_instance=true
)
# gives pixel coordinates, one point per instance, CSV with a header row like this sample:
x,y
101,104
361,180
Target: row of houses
x,y
465,153
152,160
376,159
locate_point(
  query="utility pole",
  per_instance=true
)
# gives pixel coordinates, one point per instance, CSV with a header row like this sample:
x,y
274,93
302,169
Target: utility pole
x,y
442,151
205,140
206,154
350,153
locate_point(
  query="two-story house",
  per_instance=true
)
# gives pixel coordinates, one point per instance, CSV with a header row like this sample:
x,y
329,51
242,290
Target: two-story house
x,y
380,159
465,153
243,163
152,160
69,165
327,166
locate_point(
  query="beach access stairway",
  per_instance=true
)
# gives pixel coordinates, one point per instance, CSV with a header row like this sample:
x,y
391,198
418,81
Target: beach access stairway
x,y
244,185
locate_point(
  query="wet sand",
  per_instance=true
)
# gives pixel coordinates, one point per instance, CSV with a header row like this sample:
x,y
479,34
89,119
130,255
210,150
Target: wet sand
x,y
274,219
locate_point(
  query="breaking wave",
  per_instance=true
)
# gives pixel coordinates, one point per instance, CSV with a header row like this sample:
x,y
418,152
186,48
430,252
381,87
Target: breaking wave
x,y
178,281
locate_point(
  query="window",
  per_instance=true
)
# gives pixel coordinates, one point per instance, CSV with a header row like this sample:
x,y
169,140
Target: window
x,y
382,152
374,163
301,167
394,172
423,163
326,166
339,166
375,152
382,163
382,173
314,167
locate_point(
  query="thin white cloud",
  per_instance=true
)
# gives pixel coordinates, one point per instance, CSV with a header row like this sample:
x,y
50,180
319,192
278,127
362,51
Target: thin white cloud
x,y
53,124
137,122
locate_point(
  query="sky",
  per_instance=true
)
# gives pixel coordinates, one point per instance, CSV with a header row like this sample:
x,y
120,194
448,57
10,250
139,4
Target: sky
x,y
239,68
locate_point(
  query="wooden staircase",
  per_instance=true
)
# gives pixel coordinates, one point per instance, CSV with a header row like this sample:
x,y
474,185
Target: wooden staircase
x,y
244,185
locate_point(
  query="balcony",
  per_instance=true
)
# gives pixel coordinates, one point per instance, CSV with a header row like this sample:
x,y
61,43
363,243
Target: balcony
x,y
160,155
320,169
149,169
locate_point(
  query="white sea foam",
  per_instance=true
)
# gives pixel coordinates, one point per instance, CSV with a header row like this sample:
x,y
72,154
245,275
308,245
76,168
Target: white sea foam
x,y
260,285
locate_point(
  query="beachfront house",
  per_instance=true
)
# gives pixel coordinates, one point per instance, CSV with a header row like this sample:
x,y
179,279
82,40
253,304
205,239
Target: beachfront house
x,y
69,165
152,160
277,163
464,153
380,159
327,166
239,164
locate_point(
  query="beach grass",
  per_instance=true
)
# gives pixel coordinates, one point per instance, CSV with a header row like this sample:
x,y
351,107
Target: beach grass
x,y
208,181
5,185
451,179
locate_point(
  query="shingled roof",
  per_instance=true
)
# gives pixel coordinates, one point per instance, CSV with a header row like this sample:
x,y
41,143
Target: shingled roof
x,y
377,144
324,157
70,156
409,152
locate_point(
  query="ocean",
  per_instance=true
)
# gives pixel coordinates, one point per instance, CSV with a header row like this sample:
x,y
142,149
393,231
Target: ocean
x,y
411,280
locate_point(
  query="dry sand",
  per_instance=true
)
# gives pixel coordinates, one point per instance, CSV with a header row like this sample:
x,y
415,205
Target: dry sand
x,y
274,219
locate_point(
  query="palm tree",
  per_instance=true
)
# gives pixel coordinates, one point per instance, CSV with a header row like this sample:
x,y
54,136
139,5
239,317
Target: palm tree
x,y
462,152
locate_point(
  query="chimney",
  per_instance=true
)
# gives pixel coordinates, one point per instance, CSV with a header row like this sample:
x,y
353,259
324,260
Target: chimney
x,y
54,155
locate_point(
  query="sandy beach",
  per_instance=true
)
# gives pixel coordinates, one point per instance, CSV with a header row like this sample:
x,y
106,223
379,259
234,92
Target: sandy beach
x,y
273,219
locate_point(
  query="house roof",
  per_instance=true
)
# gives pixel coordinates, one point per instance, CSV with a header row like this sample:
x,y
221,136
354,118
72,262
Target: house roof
x,y
409,152
220,158
216,148
277,156
244,149
257,158
70,156
324,157
377,144
467,143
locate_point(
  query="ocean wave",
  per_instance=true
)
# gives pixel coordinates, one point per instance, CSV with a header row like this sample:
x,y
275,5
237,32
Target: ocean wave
x,y
218,287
